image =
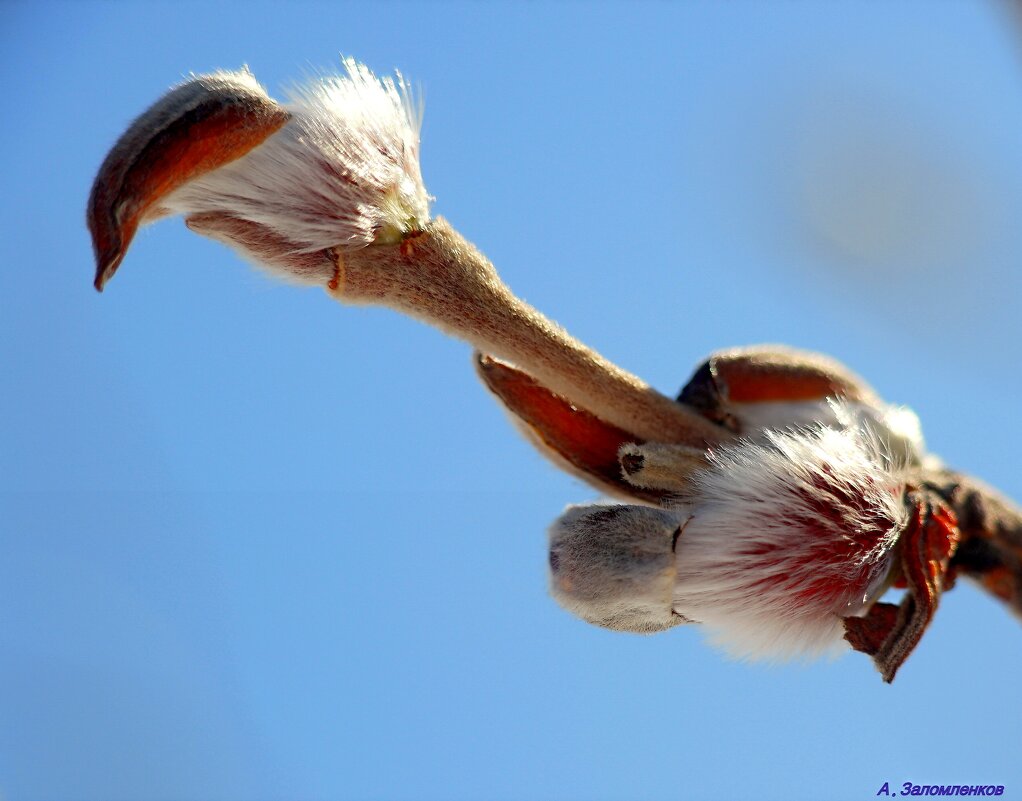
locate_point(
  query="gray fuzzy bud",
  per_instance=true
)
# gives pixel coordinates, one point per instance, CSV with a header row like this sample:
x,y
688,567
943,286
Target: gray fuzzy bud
x,y
614,566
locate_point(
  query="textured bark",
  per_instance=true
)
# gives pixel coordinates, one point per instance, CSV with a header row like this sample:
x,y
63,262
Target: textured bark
x,y
990,550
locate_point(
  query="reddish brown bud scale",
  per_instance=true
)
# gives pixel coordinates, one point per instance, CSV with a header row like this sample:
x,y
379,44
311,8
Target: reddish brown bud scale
x,y
589,445
867,634
201,125
759,376
264,246
762,375
926,548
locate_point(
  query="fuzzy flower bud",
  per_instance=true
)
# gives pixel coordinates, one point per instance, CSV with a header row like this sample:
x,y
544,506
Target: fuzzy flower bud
x,y
343,173
773,544
289,185
786,537
615,566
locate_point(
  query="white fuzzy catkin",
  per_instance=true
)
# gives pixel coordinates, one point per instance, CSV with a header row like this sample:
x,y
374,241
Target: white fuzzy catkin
x,y
786,536
894,431
342,173
771,545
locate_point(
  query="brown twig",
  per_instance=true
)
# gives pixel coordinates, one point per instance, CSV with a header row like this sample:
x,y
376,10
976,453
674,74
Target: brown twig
x,y
440,278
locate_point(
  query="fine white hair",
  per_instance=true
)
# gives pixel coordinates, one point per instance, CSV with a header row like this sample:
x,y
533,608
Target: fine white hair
x,y
342,173
785,536
894,431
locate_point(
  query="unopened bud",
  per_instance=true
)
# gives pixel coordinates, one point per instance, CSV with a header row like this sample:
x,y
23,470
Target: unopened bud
x,y
342,174
614,566
335,169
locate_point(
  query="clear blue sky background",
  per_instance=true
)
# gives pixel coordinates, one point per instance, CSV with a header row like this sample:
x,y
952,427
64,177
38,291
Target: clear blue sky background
x,y
256,545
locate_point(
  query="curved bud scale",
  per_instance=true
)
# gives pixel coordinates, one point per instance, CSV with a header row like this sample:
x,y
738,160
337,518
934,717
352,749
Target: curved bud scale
x,y
890,633
573,438
265,248
196,127
749,391
767,374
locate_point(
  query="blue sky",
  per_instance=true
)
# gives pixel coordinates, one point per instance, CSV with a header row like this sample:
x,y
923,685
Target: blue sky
x,y
257,545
